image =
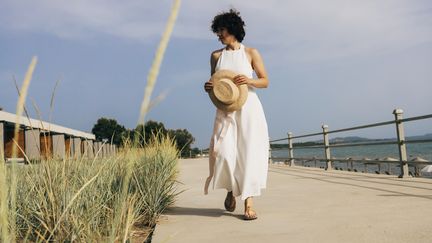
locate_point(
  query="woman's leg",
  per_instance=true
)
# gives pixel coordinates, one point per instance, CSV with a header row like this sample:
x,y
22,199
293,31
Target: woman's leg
x,y
249,213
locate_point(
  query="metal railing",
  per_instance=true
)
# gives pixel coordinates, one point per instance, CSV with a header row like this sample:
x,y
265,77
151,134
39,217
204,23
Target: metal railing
x,y
400,142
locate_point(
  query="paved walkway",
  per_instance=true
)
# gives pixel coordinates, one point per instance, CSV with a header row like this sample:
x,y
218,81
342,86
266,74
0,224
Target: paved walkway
x,y
303,204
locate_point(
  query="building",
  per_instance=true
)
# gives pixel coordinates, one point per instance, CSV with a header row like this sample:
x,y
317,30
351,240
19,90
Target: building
x,y
42,140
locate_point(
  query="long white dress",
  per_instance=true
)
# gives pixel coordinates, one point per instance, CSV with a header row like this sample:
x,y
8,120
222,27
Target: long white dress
x,y
239,146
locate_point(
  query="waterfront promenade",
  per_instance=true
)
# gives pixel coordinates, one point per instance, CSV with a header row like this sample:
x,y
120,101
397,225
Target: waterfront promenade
x,y
303,204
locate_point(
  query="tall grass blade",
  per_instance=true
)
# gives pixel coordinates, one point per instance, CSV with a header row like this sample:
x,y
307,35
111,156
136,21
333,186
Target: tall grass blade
x,y
154,70
19,111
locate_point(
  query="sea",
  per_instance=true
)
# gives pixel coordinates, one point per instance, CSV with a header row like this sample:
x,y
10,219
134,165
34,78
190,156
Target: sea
x,y
422,150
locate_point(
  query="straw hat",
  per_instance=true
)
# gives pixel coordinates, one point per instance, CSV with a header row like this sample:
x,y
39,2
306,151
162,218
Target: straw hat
x,y
226,95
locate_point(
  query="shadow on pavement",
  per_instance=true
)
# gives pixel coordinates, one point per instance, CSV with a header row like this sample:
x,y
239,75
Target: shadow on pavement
x,y
205,212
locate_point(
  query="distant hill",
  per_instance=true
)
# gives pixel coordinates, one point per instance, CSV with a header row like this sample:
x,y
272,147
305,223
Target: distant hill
x,y
351,139
421,137
355,139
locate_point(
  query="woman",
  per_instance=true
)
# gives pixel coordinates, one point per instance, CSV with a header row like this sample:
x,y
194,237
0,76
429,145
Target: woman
x,y
240,164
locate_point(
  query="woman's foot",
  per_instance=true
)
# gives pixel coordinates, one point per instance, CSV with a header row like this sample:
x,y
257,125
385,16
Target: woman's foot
x,y
230,202
249,213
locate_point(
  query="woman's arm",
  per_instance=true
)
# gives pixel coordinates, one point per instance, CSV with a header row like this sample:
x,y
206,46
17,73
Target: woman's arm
x,y
213,60
258,65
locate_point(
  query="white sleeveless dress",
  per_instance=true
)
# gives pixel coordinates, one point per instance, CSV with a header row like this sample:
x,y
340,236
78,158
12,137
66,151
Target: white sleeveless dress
x,y
239,146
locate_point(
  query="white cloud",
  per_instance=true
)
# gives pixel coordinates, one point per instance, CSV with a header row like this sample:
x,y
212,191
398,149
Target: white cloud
x,y
304,29
325,29
83,19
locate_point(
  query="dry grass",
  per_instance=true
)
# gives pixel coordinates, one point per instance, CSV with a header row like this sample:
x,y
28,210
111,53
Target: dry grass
x,y
91,200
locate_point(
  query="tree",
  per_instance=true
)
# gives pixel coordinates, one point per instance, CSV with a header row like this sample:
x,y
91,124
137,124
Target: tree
x,y
195,152
106,128
151,128
183,139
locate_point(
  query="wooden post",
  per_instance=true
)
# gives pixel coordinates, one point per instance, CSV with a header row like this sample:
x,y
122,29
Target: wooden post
x,y
327,148
83,147
68,147
96,146
77,154
90,151
33,148
46,145
401,143
59,146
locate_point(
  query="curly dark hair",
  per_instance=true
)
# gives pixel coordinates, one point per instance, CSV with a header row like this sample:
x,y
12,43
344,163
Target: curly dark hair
x,y
232,21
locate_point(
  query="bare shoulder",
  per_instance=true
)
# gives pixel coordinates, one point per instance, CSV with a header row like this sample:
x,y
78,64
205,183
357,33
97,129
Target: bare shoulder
x,y
251,51
252,54
216,54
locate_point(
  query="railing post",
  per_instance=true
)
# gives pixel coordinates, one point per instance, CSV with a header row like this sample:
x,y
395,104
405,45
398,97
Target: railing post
x,y
327,148
290,149
401,143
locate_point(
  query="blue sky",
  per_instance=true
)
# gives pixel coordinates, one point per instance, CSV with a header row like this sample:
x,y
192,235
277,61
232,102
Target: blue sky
x,y
338,62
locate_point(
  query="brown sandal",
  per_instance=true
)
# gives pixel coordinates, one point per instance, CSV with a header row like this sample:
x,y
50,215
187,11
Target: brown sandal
x,y
230,202
249,217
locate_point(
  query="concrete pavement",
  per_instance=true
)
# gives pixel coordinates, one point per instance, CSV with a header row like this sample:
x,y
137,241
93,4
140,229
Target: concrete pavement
x,y
302,204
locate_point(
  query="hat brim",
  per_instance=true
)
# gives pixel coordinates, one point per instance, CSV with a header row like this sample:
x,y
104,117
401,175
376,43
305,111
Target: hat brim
x,y
243,91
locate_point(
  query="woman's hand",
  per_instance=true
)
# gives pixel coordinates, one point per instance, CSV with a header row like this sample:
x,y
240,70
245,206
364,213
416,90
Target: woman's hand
x,y
208,86
241,79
